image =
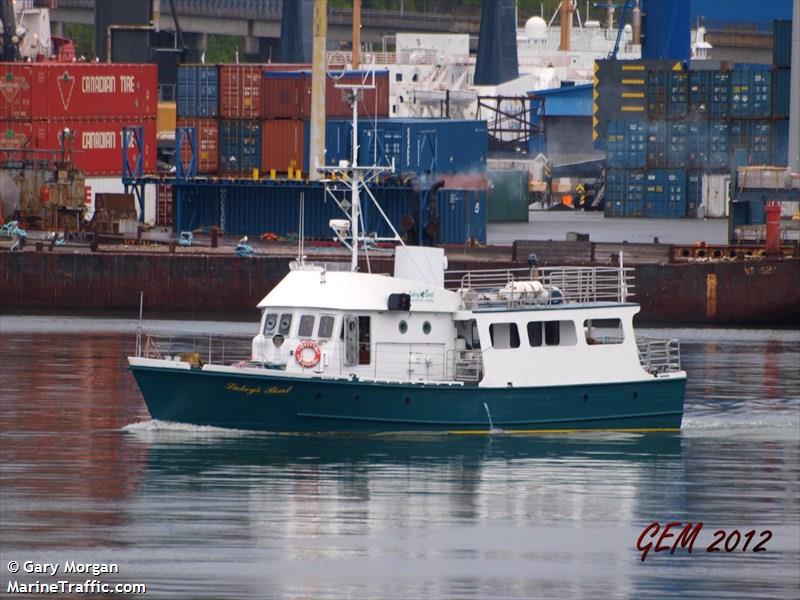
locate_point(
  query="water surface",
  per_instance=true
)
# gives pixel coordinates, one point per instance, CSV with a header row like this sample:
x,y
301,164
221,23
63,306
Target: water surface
x,y
198,512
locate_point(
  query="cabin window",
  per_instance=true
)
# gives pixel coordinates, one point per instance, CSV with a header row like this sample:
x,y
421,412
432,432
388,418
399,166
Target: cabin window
x,y
551,333
325,327
504,335
285,324
426,327
398,77
402,327
603,331
270,322
306,327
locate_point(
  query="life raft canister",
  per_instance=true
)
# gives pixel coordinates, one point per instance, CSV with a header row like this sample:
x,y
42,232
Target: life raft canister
x,y
307,363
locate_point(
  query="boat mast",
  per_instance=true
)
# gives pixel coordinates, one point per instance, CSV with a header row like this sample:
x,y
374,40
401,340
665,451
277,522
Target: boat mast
x,y
355,181
353,178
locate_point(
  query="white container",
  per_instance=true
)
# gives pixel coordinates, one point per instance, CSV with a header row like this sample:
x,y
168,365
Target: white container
x,y
113,185
716,195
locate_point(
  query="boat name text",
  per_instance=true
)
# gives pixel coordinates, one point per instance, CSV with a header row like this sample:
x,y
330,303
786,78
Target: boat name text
x,y
252,390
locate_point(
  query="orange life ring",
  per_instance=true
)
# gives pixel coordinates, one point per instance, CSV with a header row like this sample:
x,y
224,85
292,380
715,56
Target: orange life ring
x,y
307,363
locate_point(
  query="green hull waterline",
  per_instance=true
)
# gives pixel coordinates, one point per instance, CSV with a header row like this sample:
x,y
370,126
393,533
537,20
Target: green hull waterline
x,y
285,404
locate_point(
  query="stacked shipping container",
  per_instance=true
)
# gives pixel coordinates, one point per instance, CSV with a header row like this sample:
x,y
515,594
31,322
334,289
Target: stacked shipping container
x,y
93,101
699,124
252,118
286,108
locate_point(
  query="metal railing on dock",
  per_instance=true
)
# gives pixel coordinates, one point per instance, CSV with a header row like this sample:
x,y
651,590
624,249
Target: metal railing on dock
x,y
542,285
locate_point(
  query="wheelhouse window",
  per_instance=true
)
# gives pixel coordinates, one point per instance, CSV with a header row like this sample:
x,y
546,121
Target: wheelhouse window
x,y
326,327
535,333
285,323
603,331
504,335
269,323
306,327
551,333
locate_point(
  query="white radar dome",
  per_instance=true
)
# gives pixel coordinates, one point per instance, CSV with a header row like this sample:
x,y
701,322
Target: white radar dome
x,y
535,28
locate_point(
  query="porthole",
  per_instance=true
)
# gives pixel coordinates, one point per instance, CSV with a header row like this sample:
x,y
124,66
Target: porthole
x,y
426,327
402,326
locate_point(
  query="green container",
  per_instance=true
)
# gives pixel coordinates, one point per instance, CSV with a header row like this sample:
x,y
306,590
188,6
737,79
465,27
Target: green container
x,y
508,198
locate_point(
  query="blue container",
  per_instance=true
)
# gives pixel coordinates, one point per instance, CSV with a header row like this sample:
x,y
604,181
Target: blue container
x,y
459,215
694,193
782,44
720,95
239,146
717,144
751,91
260,208
656,93
665,194
709,94
338,141
779,154
781,92
667,94
198,91
753,139
700,94
424,145
634,194
678,144
657,144
698,144
614,193
678,94
462,216
626,143
667,29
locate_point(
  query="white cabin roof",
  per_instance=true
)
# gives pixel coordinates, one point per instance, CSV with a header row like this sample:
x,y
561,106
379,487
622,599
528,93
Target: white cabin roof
x,y
347,291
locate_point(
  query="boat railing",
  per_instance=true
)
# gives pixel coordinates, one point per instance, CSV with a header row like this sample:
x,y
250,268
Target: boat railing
x,y
542,285
197,350
659,355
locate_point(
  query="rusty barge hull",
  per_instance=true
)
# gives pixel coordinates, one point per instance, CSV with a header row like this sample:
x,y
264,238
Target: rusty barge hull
x,y
757,292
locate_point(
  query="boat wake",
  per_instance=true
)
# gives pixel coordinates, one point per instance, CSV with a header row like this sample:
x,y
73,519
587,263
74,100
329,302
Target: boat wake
x,y
156,426
759,426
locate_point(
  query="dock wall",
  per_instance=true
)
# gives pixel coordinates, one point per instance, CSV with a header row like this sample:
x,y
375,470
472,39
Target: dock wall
x,y
740,292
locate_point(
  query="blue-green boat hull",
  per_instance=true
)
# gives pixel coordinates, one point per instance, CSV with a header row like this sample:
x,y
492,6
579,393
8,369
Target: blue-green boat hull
x,y
284,404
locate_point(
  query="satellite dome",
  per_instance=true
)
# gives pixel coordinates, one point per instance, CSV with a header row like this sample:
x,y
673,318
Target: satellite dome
x,y
627,29
535,29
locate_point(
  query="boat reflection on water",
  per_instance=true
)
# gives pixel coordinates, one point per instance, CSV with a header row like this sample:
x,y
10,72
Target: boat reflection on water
x,y
187,452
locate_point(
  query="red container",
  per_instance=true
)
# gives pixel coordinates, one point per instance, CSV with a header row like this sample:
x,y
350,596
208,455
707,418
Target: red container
x,y
207,151
286,96
14,134
49,90
240,91
373,102
282,145
97,146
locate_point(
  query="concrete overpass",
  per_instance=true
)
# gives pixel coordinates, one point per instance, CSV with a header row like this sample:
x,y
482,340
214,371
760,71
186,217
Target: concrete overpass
x,y
257,20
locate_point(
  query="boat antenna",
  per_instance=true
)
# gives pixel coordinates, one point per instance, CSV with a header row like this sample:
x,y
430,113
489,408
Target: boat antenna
x,y
301,230
139,328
